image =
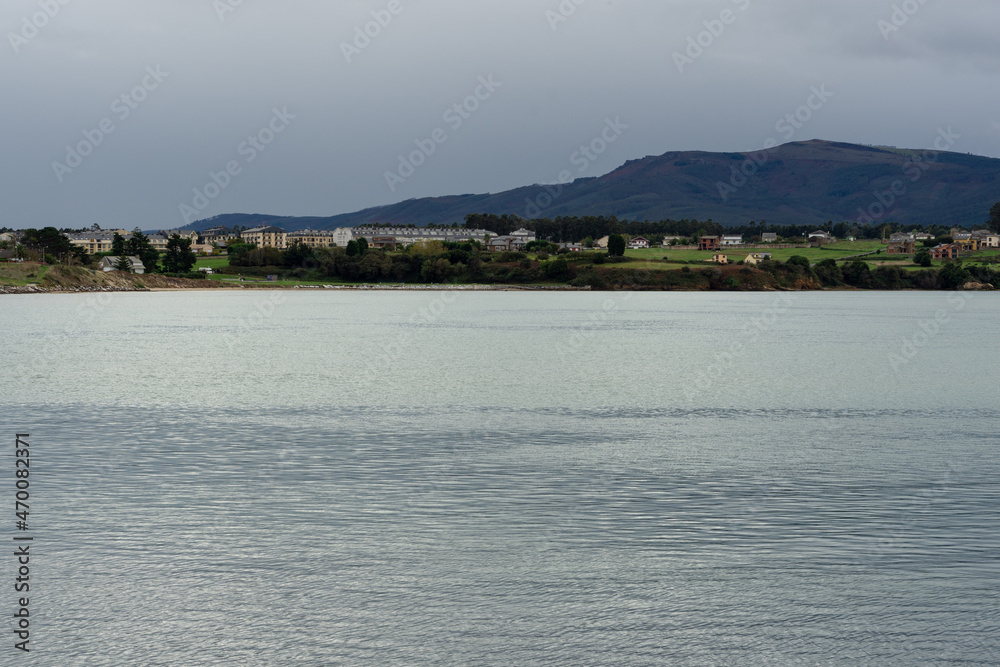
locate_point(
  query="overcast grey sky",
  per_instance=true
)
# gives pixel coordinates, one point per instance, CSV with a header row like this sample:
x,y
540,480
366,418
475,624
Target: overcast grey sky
x,y
202,77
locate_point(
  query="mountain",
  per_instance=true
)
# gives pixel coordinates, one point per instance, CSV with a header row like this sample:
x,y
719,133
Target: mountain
x,y
802,183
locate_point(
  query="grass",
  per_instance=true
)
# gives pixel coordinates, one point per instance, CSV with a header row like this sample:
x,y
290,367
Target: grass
x,y
19,274
211,262
833,251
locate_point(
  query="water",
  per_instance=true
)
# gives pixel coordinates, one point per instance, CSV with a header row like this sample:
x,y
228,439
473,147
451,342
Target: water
x,y
506,478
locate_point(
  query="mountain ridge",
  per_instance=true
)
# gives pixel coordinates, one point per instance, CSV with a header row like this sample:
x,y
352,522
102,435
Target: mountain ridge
x,y
802,183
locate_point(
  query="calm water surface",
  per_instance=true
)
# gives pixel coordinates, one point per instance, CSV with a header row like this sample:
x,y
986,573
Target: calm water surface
x,y
507,479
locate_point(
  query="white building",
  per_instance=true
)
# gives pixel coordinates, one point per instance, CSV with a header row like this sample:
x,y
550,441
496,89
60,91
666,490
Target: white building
x,y
108,264
732,240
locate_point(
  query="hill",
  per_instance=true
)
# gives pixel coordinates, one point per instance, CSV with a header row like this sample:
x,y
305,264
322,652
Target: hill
x,y
801,183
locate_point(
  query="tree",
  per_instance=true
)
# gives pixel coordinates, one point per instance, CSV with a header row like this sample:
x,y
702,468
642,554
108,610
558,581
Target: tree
x,y
298,254
995,218
953,275
123,263
179,258
117,245
616,245
362,245
922,258
138,244
352,249
798,260
48,240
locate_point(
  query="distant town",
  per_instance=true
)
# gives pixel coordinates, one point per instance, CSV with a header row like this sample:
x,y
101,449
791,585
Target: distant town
x,y
766,258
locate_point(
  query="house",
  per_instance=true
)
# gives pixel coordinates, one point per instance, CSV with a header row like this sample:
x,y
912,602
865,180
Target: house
x,y
819,237
602,242
572,247
922,236
719,258
184,234
899,237
945,251
769,238
504,243
219,235
404,236
313,239
901,248
266,237
638,242
202,248
108,264
986,238
709,243
158,241
7,237
667,240
732,240
97,241
755,258
969,243
525,235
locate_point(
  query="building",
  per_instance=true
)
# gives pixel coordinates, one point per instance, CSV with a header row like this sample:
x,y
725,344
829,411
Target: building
x,y
96,242
769,238
219,235
266,237
991,240
819,237
732,240
709,243
638,243
108,264
572,247
986,238
158,241
526,235
668,239
899,237
719,258
312,238
755,258
969,243
504,243
901,248
945,251
7,237
193,236
602,242
404,236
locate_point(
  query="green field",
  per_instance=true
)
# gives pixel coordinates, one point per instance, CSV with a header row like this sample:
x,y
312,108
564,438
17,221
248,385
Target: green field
x,y
19,274
832,251
211,262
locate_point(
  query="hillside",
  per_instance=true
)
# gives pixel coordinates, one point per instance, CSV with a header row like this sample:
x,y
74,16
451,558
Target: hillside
x,y
807,182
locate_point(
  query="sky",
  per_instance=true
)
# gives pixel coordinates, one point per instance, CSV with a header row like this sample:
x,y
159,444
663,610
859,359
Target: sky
x,y
157,113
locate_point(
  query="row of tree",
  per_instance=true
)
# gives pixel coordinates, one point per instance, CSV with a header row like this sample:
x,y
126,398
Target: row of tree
x,y
565,229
